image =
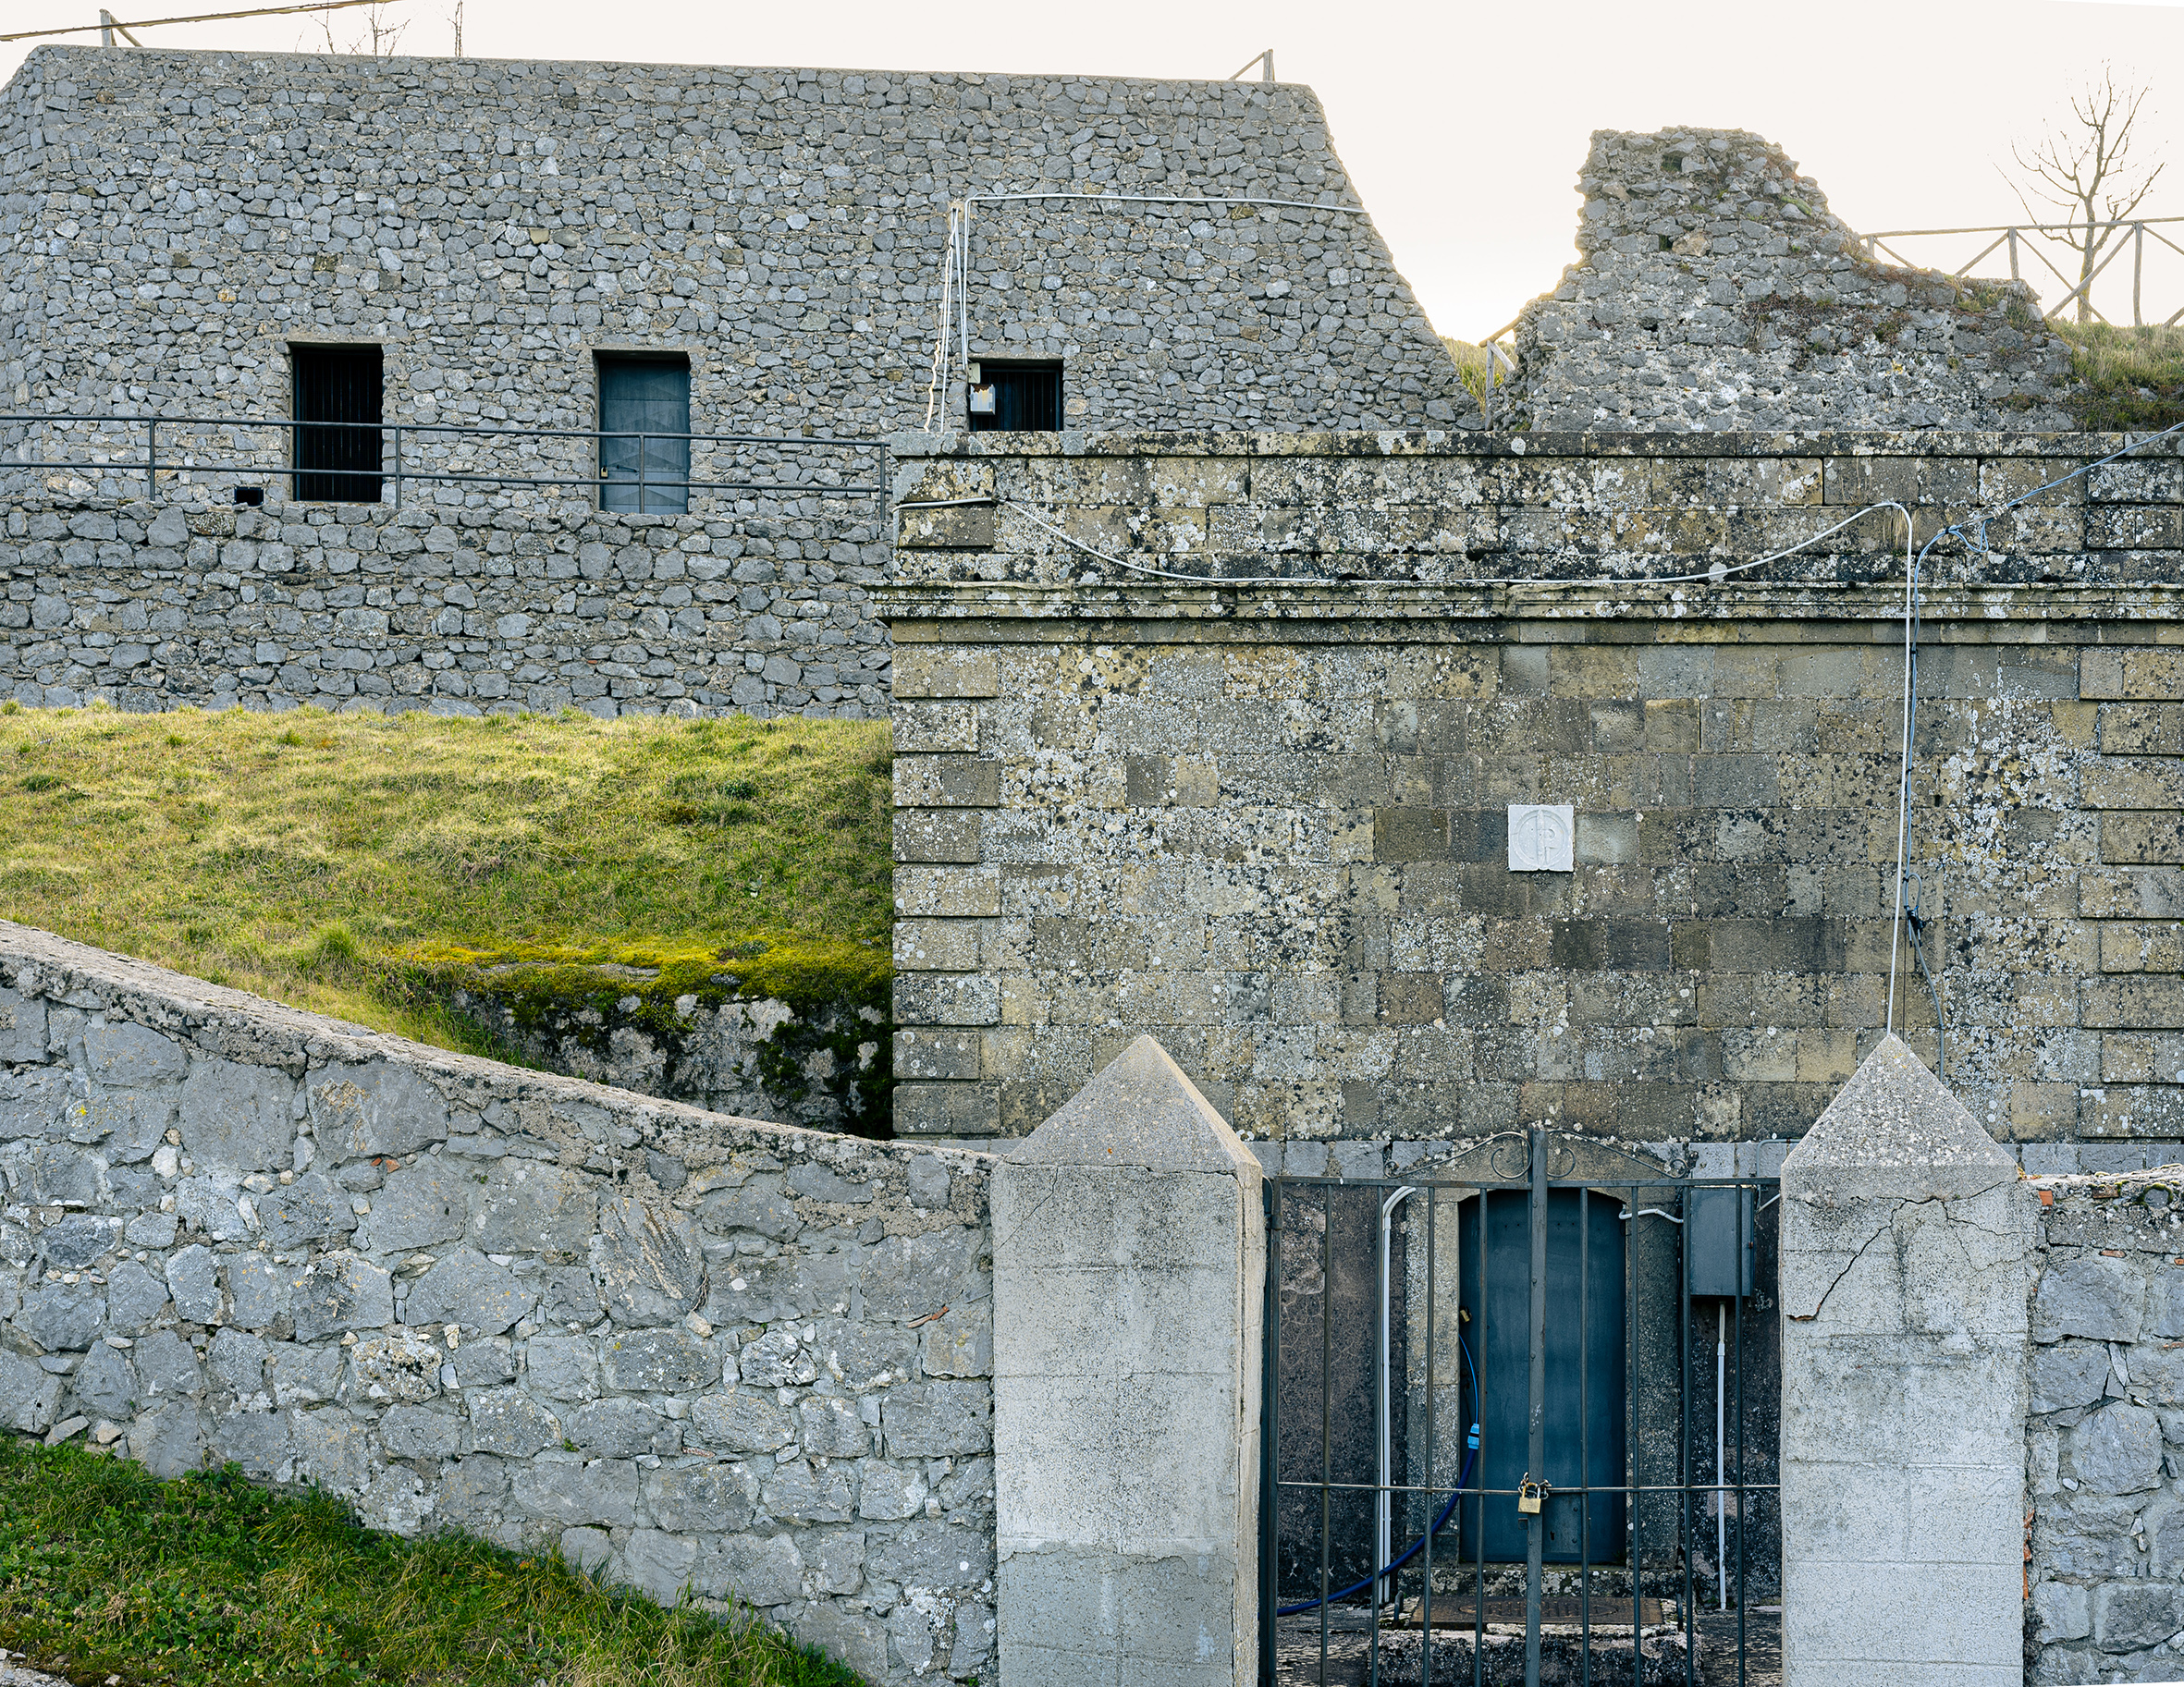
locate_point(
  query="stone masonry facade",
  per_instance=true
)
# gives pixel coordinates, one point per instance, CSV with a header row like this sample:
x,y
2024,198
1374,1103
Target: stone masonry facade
x,y
1715,291
150,605
690,1349
1266,821
170,222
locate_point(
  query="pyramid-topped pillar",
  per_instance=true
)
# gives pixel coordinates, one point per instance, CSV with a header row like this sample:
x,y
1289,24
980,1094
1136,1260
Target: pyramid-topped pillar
x,y
1906,1238
1129,1255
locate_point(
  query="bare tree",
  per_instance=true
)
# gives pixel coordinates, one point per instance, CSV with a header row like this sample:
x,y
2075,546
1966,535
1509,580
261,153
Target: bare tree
x,y
454,18
2085,169
381,39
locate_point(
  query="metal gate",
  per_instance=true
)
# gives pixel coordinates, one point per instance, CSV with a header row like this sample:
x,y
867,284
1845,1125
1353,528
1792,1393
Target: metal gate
x,y
1496,1448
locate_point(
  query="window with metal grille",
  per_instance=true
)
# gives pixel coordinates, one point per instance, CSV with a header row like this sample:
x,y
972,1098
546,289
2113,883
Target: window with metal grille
x,y
341,387
1016,397
644,413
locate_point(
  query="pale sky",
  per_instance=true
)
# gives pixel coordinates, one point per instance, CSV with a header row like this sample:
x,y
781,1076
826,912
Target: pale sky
x,y
1464,126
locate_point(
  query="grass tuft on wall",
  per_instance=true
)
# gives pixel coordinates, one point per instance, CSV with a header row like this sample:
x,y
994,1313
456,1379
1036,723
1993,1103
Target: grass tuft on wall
x,y
353,864
208,1581
2124,380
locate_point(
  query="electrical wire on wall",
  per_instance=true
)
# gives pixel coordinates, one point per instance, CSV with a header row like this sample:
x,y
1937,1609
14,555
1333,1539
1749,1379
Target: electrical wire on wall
x,y
1909,919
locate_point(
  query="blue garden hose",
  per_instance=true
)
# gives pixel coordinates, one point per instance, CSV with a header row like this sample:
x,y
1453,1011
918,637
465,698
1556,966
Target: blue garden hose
x,y
1439,1523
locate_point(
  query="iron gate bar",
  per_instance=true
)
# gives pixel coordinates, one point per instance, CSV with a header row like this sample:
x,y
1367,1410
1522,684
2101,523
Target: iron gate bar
x,y
1469,1497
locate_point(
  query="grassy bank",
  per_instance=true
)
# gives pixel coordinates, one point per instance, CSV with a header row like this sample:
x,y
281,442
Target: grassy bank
x,y
207,1582
2124,380
341,862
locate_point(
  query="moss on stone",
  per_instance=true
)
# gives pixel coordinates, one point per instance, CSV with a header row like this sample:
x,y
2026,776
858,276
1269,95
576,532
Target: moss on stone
x,y
839,990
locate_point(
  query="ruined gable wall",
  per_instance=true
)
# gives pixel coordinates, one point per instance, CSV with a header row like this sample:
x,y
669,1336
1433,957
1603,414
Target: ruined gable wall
x,y
173,218
1715,290
1267,824
683,1346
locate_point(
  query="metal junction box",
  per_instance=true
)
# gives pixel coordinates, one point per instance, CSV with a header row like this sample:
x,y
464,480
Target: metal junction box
x,y
1718,1246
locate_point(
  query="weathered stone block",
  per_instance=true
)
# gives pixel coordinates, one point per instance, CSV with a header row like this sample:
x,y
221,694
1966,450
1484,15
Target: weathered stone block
x,y
258,1291
378,1108
464,1288
710,1498
237,1117
669,1360
2091,1296
613,1428
764,1570
420,1205
511,1424
30,1397
647,1263
602,1493
341,1291
742,1422
526,1207
562,1368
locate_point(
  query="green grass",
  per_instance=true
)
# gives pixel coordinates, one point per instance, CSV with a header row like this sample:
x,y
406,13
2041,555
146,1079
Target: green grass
x,y
208,1581
2124,380
1477,367
335,861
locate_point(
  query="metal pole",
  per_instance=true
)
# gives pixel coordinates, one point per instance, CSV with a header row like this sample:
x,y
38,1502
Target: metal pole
x,y
1721,1504
2138,270
152,458
397,465
1536,1420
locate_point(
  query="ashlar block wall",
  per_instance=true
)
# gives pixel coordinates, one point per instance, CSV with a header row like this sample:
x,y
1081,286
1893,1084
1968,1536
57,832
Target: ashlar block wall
x,y
1267,823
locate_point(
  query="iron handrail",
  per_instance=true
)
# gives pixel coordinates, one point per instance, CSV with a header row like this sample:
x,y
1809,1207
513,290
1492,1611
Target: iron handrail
x,y
398,470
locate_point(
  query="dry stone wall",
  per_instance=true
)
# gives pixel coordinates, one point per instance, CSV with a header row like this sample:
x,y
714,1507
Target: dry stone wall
x,y
2106,1433
461,611
692,1349
1715,291
1267,823
171,220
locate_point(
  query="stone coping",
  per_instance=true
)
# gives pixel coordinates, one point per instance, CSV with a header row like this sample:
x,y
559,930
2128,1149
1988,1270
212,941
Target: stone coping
x,y
1445,442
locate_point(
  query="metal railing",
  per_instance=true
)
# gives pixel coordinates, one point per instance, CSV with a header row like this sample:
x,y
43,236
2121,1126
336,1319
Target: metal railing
x,y
2023,238
1535,1371
401,442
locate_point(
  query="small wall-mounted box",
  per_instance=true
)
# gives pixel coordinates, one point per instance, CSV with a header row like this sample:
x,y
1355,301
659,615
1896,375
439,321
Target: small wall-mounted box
x,y
1718,1241
1541,838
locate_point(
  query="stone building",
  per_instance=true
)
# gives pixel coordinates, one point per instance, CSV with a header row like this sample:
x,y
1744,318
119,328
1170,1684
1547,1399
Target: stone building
x,y
180,223
427,250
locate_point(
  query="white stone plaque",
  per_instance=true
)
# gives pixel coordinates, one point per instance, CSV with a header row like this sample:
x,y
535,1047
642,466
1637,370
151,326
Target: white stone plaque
x,y
1540,837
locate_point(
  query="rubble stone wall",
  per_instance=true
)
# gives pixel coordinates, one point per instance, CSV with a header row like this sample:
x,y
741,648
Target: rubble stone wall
x,y
459,611
1715,290
693,1349
2106,1434
1266,822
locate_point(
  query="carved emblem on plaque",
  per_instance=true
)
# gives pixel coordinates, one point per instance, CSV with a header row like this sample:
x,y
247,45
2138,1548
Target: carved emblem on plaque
x,y
1540,836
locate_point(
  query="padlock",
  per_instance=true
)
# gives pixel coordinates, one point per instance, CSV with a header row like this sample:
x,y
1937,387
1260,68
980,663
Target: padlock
x,y
1531,1495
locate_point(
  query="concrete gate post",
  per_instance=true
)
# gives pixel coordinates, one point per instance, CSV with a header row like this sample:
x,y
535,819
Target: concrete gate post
x,y
1129,1260
1906,1236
